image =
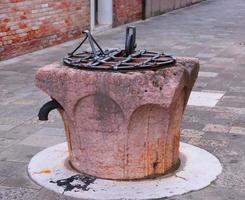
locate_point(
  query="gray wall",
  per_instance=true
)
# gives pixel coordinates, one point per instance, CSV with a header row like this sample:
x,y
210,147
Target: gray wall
x,y
157,7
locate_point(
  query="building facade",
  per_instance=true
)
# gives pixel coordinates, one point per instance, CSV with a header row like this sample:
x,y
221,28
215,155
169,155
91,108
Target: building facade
x,y
27,25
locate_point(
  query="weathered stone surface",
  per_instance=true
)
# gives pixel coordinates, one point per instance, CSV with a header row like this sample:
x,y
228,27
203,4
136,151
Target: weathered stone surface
x,y
121,125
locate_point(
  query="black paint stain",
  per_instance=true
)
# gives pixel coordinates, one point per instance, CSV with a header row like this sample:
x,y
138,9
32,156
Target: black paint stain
x,y
75,182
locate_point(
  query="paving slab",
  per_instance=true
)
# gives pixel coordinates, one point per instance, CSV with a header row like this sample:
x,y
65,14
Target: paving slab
x,y
38,140
237,130
7,193
206,99
19,178
19,153
207,74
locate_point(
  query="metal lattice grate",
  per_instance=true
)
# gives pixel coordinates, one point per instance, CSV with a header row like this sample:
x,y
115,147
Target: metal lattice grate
x,y
117,59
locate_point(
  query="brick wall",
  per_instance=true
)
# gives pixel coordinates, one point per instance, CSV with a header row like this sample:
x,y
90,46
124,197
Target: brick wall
x,y
125,11
28,25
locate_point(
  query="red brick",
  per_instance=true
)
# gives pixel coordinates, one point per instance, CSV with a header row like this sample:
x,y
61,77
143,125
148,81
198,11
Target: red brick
x,y
23,17
34,25
22,25
125,11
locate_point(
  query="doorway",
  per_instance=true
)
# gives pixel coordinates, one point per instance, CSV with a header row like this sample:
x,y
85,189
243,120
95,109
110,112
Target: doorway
x,y
101,14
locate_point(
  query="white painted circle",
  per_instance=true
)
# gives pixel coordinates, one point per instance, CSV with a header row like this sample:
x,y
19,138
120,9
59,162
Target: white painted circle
x,y
198,169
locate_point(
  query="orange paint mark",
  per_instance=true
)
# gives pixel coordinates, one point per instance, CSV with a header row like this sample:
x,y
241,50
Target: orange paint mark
x,y
44,171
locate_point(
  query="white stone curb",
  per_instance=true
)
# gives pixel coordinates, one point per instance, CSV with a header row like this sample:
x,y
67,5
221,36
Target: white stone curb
x,y
198,169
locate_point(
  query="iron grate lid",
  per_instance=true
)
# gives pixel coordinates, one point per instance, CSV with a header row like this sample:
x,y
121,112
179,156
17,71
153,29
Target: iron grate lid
x,y
117,59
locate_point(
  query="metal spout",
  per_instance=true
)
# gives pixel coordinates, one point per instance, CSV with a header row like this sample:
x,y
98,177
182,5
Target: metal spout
x,y
46,108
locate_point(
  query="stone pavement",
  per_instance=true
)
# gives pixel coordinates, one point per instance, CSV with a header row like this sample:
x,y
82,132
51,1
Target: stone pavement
x,y
212,31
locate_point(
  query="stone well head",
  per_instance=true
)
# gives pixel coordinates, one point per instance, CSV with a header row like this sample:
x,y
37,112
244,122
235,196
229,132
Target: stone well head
x,y
121,125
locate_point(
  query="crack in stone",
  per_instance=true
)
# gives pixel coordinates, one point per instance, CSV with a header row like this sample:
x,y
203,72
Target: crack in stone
x,y
180,177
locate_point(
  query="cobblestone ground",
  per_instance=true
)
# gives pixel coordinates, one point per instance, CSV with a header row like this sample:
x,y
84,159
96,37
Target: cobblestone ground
x,y
213,31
